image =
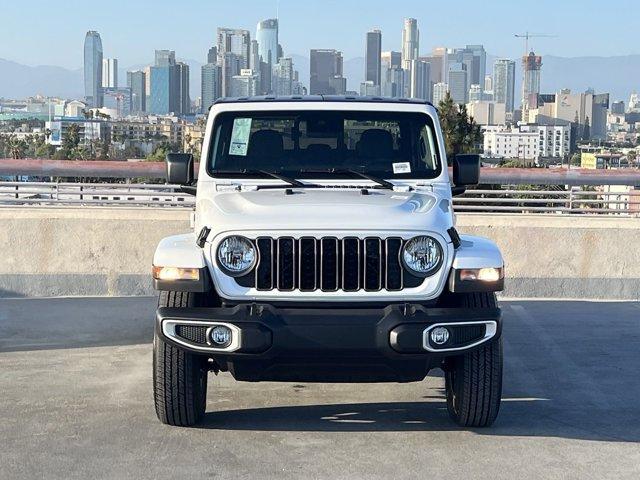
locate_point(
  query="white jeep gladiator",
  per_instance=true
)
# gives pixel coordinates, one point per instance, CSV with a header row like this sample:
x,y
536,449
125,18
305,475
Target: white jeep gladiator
x,y
325,250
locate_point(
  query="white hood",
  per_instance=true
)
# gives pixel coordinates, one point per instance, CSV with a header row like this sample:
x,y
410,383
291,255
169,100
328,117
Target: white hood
x,y
323,209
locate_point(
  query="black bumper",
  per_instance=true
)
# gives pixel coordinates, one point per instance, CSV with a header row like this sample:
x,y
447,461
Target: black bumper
x,y
329,345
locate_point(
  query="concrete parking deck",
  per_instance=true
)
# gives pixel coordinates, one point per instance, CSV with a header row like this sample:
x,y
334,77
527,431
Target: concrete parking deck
x,y
75,383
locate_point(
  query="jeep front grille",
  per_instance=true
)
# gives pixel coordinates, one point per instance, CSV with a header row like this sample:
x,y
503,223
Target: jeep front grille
x,y
330,264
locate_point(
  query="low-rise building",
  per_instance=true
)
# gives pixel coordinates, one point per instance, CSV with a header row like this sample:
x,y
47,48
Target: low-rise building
x,y
527,142
596,158
88,130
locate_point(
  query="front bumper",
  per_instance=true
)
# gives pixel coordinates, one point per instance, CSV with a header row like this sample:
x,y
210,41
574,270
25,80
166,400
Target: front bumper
x,y
331,344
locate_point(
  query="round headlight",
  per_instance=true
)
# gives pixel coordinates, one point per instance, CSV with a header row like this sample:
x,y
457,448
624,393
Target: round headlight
x,y
422,256
236,255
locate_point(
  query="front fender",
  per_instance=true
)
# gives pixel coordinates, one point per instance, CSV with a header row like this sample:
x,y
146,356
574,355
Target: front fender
x,y
181,251
476,253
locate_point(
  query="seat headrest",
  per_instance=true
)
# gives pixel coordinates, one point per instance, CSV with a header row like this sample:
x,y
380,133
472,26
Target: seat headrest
x,y
375,143
266,144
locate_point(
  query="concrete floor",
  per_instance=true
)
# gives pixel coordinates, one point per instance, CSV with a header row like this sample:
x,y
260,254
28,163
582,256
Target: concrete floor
x,y
75,398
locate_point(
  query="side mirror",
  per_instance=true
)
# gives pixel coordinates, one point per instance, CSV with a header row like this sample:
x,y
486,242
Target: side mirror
x,y
180,169
466,172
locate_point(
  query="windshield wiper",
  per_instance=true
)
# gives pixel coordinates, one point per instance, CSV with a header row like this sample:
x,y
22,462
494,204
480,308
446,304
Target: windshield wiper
x,y
380,181
291,181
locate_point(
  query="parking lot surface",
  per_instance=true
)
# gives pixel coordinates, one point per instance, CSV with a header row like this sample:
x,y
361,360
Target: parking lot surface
x,y
76,402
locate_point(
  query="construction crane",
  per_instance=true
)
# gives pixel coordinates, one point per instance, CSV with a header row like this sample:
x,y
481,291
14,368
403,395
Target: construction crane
x,y
528,35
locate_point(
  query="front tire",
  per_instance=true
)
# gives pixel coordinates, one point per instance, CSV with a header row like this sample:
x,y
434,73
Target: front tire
x,y
179,377
473,381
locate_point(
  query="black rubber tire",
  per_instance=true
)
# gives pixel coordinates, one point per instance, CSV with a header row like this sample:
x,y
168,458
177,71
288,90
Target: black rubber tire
x,y
179,377
473,381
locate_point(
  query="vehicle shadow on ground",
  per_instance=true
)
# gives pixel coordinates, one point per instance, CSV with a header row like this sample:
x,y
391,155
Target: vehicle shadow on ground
x,y
518,417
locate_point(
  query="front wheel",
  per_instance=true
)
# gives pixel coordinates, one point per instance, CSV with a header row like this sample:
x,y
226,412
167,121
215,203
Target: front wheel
x,y
179,377
473,381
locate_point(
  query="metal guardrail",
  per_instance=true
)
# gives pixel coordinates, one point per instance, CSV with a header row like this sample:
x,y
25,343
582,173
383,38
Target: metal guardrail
x,y
93,194
574,201
35,167
499,201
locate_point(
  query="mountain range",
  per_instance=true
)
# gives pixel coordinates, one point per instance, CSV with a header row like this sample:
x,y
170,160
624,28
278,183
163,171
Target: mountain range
x,y
619,76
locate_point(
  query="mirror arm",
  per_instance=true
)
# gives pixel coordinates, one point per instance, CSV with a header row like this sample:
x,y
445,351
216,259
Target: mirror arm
x,y
456,191
190,189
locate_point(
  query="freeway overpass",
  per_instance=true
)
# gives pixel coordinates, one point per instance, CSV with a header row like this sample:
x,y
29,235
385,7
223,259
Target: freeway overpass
x,y
75,364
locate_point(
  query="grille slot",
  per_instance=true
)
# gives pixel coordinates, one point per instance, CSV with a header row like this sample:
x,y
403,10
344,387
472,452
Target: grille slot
x,y
285,263
194,334
330,264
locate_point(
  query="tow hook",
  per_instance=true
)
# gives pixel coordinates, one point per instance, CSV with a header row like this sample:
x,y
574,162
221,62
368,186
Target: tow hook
x,y
408,310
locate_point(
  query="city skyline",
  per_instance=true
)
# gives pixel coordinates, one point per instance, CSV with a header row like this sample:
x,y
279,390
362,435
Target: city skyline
x,y
301,29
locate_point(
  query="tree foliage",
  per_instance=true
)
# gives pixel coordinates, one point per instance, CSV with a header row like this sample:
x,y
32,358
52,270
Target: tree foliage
x,y
461,133
160,151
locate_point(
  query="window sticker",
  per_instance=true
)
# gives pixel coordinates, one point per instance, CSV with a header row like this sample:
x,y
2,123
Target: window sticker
x,y
240,137
403,167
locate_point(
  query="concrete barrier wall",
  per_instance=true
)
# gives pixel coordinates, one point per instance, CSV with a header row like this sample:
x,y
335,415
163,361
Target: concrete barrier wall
x,y
108,251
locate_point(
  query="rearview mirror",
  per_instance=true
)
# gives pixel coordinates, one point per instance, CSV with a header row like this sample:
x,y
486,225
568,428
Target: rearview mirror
x,y
180,168
466,170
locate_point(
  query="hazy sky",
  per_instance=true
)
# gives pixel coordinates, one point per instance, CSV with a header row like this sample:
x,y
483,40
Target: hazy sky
x,y
45,32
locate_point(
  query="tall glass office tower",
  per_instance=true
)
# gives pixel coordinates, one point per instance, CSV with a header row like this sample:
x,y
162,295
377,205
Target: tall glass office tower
x,y
504,80
93,69
373,55
267,37
137,82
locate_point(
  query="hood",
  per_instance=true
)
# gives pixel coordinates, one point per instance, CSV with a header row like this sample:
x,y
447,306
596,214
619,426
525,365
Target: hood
x,y
323,209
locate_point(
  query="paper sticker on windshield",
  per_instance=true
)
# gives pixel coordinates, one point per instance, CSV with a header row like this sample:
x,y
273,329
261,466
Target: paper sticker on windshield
x,y
240,137
403,167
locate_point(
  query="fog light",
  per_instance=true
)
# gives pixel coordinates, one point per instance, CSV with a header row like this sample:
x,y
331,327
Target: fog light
x,y
176,273
439,335
221,336
481,274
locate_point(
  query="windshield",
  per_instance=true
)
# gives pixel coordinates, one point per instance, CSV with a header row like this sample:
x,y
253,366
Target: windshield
x,y
317,144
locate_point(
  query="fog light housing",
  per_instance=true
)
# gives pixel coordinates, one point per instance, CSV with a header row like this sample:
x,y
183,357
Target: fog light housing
x,y
439,335
220,336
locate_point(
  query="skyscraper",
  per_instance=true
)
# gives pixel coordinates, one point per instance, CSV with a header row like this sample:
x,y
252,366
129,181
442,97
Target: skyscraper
x,y
212,55
234,54
504,81
458,83
326,72
391,59
236,41
165,58
410,41
531,65
373,67
267,37
211,85
410,50
231,66
181,93
420,80
474,58
161,83
284,76
246,84
137,82
110,73
93,69
168,85
392,74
